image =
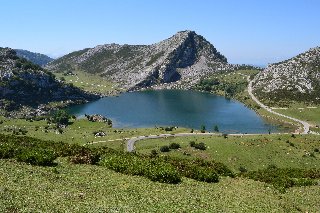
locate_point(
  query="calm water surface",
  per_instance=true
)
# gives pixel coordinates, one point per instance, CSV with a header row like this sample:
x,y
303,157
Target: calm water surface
x,y
176,108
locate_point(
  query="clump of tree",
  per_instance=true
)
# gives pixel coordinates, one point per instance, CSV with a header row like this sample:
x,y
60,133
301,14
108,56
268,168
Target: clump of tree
x,y
202,128
166,148
200,146
61,117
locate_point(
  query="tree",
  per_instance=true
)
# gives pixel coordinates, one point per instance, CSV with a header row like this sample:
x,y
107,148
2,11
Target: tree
x,y
61,117
216,128
203,129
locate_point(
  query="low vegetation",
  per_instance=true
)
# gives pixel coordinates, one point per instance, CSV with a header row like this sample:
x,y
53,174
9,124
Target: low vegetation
x,y
166,170
283,178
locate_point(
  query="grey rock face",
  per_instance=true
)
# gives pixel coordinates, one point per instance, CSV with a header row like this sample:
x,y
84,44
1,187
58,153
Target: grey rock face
x,y
296,78
183,57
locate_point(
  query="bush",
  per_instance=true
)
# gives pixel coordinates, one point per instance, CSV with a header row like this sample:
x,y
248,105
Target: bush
x,y
163,172
204,174
200,146
199,169
202,128
40,157
85,156
132,164
169,129
174,146
242,169
164,149
154,153
282,178
192,143
61,117
6,151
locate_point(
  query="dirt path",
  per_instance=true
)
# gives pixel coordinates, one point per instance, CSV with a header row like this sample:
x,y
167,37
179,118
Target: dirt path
x,y
132,141
306,126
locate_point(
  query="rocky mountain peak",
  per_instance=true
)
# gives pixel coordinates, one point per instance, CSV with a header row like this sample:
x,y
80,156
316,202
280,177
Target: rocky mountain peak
x,y
184,56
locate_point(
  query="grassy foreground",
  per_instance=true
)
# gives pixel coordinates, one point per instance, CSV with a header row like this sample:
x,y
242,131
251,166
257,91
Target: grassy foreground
x,y
87,188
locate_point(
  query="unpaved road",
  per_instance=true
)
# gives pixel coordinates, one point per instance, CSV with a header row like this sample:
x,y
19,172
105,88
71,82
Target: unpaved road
x,y
132,141
306,126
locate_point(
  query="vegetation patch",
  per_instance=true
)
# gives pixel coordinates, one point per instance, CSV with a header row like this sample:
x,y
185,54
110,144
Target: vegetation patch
x,y
283,178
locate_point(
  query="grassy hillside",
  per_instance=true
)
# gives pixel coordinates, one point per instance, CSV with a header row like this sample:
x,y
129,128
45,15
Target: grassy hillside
x,y
85,188
88,82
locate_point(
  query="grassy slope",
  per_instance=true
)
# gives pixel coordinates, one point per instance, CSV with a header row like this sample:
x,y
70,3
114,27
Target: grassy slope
x,y
300,111
90,82
83,188
251,152
80,132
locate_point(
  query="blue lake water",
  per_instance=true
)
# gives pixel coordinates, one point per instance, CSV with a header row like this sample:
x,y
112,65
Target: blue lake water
x,y
176,108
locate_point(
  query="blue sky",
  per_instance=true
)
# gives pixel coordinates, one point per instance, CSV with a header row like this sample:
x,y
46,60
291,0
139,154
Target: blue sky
x,y
245,31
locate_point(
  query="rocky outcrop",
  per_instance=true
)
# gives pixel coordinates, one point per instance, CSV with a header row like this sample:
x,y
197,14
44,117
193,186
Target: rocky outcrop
x,y
23,83
99,118
185,57
296,79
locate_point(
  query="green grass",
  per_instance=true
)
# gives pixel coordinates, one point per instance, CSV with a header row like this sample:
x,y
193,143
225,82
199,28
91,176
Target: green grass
x,y
90,82
86,188
80,131
251,152
311,115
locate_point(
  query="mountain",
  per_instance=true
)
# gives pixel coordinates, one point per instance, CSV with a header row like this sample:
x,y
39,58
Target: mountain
x,y
36,58
184,57
26,84
296,79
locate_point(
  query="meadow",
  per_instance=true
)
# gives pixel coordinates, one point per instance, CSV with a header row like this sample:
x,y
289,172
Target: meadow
x,y
249,152
86,188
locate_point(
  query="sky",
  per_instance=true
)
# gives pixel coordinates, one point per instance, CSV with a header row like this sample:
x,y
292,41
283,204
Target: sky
x,y
254,32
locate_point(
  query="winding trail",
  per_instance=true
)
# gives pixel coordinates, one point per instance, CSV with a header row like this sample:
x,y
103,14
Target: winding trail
x,y
306,126
132,141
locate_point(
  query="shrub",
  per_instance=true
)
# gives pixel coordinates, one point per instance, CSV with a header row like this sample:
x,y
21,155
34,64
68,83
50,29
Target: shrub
x,y
40,157
192,143
242,169
202,128
61,117
6,151
203,174
163,172
316,150
87,157
164,149
154,153
200,146
282,178
132,164
169,128
174,146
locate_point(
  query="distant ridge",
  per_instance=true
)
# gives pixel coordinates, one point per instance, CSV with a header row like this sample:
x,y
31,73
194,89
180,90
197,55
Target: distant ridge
x,y
180,59
36,58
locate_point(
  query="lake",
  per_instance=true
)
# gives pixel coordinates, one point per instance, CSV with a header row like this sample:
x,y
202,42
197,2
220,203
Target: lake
x,y
176,108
